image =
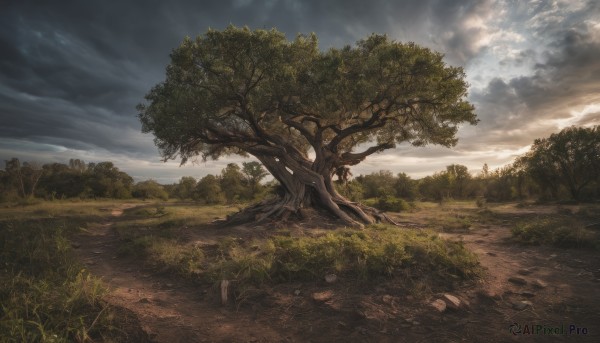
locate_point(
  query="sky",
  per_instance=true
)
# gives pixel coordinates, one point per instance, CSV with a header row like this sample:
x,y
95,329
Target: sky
x,y
72,72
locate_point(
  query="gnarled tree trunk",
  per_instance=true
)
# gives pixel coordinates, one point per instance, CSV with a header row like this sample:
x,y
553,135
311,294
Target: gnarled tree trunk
x,y
304,188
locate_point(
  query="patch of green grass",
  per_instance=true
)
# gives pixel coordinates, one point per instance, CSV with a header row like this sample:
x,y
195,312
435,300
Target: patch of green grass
x,y
390,204
378,251
45,295
559,232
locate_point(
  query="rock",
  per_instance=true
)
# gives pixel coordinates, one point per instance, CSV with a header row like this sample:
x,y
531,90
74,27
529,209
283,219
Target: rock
x,y
517,280
322,296
439,305
522,305
330,278
144,301
297,292
489,294
528,294
452,301
539,284
75,245
491,253
524,271
387,299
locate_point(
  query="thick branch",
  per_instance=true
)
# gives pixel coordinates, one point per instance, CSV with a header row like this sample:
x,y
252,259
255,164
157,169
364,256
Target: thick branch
x,y
349,158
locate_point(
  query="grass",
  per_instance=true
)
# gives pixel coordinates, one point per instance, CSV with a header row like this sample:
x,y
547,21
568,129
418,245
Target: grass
x,y
363,255
559,232
46,295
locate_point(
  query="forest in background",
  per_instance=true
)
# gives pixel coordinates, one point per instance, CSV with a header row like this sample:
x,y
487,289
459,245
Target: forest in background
x,y
562,167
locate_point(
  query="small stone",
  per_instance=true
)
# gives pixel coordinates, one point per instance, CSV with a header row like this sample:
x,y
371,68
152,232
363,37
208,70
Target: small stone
x,y
322,296
451,301
489,294
517,280
330,278
144,301
97,252
297,292
439,305
521,305
170,285
388,299
552,256
415,322
524,271
342,324
528,294
491,253
75,245
539,284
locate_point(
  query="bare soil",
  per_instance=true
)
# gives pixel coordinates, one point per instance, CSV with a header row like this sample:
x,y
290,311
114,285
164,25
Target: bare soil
x,y
174,310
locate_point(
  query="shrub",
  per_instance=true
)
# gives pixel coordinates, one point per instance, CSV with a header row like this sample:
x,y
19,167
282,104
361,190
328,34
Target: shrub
x,y
390,204
557,232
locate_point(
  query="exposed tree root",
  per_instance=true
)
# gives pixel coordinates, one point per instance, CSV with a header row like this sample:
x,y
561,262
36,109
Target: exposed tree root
x,y
286,209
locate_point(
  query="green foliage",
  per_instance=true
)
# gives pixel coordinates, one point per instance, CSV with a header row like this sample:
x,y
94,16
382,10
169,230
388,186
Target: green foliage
x,y
208,189
390,204
570,158
378,251
564,233
45,295
149,189
231,182
185,188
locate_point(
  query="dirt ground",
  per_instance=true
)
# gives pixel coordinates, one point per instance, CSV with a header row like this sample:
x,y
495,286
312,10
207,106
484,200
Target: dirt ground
x,y
561,286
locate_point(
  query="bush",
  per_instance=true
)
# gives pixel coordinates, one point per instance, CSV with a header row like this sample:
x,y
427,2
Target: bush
x,y
390,204
557,232
378,251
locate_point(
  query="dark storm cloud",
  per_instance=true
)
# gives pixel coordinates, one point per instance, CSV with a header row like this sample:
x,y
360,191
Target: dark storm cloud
x,y
73,71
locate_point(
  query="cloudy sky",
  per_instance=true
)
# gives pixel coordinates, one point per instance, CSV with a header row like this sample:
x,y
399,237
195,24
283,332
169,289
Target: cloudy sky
x,y
72,72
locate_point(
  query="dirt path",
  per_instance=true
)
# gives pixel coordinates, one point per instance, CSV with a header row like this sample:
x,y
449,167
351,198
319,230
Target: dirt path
x,y
172,310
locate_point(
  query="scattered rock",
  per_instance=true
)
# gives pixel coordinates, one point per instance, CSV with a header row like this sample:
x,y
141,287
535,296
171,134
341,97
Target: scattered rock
x,y
522,305
452,301
330,278
517,280
489,294
524,271
322,296
439,305
537,283
297,292
387,299
528,294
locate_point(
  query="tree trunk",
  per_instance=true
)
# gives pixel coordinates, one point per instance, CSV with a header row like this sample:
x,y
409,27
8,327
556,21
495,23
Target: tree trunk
x,y
303,188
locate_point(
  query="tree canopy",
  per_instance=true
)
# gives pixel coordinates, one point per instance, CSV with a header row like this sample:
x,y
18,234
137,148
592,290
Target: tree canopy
x,y
239,91
570,158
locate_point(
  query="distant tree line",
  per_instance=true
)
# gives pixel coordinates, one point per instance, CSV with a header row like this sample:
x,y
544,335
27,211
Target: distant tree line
x,y
564,166
104,180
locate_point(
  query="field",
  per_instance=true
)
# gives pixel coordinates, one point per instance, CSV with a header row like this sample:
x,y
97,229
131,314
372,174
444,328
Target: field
x,y
172,272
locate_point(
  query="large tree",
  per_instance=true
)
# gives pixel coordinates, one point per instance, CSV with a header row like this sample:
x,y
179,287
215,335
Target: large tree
x,y
570,158
302,112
